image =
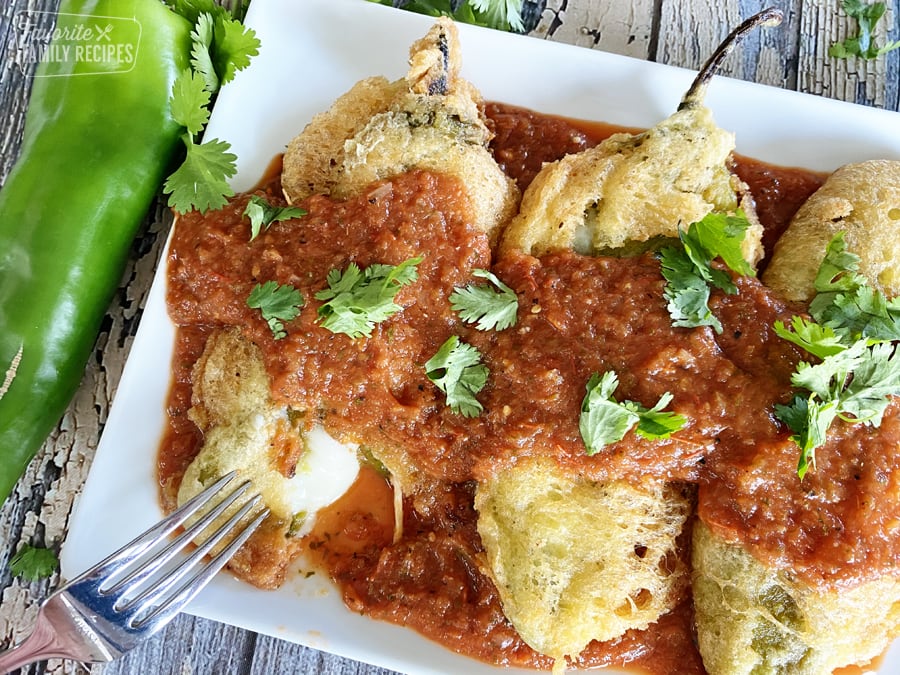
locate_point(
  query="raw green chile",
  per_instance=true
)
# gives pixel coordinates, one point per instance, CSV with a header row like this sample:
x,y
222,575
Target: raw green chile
x,y
98,141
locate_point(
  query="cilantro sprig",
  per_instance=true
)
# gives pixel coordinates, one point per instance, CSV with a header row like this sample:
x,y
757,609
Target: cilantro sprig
x,y
486,307
358,299
851,334
456,369
277,304
604,420
221,46
863,43
33,563
262,214
689,272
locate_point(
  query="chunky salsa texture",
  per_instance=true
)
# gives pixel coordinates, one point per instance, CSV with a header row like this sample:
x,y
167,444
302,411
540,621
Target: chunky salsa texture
x,y
577,315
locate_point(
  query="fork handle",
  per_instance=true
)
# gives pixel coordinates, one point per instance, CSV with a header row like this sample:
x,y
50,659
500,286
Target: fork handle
x,y
41,644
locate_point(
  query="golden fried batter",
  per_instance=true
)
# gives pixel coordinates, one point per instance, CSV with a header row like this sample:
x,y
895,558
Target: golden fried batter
x,y
753,619
631,189
575,560
432,119
863,201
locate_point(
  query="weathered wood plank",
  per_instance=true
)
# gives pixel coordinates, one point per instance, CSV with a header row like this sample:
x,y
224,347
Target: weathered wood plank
x,y
625,28
191,646
277,656
688,36
868,82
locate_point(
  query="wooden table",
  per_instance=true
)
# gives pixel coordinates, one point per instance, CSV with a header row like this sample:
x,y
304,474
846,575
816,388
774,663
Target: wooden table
x,y
679,32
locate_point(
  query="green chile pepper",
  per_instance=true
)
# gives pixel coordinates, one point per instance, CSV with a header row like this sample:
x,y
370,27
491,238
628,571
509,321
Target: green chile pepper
x,y
98,140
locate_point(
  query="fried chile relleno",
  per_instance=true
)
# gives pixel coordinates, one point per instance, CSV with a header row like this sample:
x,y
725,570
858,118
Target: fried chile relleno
x,y
633,189
431,119
577,315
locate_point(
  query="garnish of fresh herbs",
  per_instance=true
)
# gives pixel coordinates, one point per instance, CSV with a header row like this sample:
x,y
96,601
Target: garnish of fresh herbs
x,y
262,214
221,47
605,420
858,369
277,304
33,563
689,272
489,308
500,14
456,369
358,299
862,44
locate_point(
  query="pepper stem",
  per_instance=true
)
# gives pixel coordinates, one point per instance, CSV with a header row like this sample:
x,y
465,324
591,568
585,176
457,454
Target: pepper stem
x,y
696,93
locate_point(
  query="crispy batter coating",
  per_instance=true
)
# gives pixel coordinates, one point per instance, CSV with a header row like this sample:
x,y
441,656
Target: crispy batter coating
x,y
432,119
863,201
312,157
576,561
754,620
634,188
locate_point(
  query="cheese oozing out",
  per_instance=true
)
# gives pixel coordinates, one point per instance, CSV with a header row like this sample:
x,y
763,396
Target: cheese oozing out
x,y
324,470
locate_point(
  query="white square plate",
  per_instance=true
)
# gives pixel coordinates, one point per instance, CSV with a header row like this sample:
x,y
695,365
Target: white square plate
x,y
312,51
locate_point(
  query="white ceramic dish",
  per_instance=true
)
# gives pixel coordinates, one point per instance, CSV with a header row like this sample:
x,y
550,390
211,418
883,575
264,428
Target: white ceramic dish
x,y
312,51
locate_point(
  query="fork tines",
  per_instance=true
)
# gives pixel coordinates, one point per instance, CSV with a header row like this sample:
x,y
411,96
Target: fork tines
x,y
148,587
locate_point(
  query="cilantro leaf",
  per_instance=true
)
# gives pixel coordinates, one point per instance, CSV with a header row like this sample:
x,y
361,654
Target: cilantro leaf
x,y
851,382
490,308
604,420
862,44
201,43
820,341
686,292
854,385
456,370
192,9
866,313
502,14
189,101
233,48
221,46
828,378
499,14
277,304
839,269
689,273
874,381
201,182
719,235
33,563
809,419
356,300
262,214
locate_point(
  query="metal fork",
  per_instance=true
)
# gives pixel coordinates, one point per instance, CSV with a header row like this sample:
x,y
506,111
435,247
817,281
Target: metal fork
x,y
137,590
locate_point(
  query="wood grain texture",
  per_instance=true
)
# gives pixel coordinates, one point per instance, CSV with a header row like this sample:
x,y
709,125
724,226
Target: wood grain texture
x,y
679,32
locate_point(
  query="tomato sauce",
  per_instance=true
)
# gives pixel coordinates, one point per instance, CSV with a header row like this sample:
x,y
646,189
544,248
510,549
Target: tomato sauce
x,y
577,315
